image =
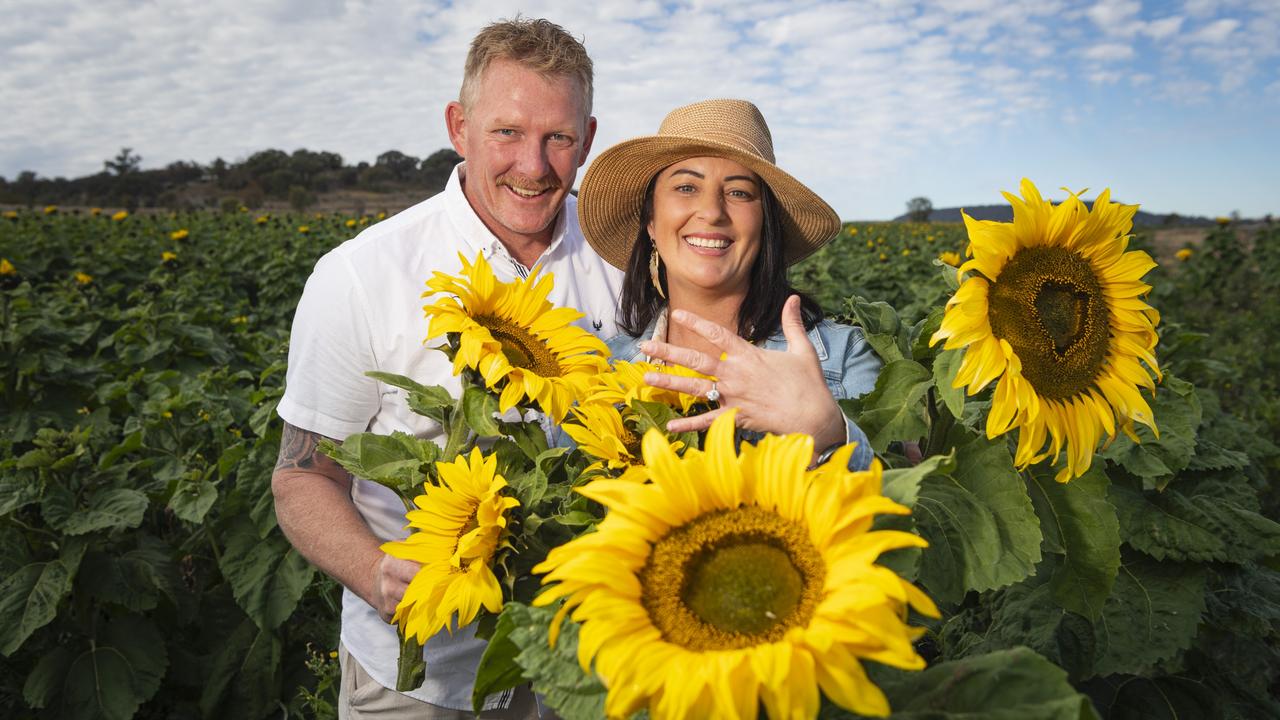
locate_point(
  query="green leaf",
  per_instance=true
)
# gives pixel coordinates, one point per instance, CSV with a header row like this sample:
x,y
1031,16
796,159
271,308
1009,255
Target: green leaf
x,y
192,499
945,367
1163,698
123,581
903,485
267,575
231,457
982,529
498,669
122,670
244,678
1012,684
529,436
29,600
881,326
46,679
479,406
1151,616
555,672
1177,413
17,492
1025,613
105,509
395,461
1200,528
895,410
433,401
1079,524
131,443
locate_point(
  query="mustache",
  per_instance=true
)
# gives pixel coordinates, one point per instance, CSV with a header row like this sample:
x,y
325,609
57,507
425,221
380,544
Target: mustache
x,y
528,184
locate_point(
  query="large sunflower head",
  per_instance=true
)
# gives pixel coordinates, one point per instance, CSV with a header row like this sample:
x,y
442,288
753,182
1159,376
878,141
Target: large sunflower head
x,y
1052,308
514,337
732,580
458,526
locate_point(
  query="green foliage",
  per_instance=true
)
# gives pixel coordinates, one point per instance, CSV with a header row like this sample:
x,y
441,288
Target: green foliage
x,y
982,529
554,671
1080,525
142,572
1014,684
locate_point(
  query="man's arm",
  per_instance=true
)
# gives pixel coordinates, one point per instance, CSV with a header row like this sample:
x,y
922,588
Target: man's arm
x,y
314,508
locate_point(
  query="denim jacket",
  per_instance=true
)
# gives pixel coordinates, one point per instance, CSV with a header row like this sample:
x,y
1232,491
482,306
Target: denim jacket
x,y
849,365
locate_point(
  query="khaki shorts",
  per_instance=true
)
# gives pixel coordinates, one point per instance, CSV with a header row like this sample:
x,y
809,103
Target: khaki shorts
x,y
360,696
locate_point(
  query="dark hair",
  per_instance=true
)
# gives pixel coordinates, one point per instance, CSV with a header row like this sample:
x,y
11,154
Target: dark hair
x,y
761,313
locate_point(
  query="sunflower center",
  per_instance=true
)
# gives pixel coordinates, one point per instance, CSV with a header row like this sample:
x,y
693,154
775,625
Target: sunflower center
x,y
1049,306
732,579
520,347
630,441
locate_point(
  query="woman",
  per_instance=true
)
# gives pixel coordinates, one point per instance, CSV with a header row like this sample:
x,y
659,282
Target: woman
x,y
705,224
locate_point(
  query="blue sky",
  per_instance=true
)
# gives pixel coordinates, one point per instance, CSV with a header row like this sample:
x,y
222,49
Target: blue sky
x,y
1174,105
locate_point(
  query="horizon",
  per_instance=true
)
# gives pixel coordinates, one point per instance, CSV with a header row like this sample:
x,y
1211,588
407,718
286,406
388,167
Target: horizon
x,y
1171,105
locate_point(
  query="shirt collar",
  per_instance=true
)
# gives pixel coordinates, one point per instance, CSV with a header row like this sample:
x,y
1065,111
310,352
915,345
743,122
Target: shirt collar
x,y
477,237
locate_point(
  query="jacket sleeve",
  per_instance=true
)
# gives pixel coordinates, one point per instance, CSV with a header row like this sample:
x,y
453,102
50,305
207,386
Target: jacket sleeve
x,y
861,367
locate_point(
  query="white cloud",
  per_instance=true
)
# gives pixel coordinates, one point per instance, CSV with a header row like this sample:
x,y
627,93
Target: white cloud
x,y
1108,52
1116,17
1217,31
1163,28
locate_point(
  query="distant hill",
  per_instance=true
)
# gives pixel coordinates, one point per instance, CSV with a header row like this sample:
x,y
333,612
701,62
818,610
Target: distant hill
x,y
266,179
1004,213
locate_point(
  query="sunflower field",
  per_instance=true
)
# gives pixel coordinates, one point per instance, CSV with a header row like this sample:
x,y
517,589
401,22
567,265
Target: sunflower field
x,y
1068,547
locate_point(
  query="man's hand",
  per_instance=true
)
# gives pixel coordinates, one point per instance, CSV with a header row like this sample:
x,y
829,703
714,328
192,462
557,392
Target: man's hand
x,y
315,511
391,577
775,391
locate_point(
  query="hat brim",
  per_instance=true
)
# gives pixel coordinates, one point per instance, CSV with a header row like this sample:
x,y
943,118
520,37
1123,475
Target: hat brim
x,y
613,188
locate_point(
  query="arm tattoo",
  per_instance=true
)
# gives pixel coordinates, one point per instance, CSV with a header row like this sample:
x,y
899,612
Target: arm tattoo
x,y
297,449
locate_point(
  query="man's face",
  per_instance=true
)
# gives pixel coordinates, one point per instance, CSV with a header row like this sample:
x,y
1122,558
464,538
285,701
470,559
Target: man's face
x,y
523,138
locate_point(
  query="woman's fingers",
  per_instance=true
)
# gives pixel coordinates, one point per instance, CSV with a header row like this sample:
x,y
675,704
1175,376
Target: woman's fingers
x,y
680,383
695,423
716,334
676,355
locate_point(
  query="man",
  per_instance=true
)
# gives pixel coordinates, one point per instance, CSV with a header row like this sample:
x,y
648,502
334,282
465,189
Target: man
x,y
523,125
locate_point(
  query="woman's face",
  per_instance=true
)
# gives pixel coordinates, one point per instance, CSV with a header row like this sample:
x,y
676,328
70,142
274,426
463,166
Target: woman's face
x,y
707,216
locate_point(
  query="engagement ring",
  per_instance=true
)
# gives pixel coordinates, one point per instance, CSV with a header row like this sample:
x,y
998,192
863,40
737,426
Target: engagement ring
x,y
713,394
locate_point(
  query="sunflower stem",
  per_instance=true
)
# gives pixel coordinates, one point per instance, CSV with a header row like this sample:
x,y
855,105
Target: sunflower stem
x,y
411,669
459,433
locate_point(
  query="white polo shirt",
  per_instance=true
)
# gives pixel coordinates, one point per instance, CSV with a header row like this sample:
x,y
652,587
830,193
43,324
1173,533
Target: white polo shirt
x,y
362,310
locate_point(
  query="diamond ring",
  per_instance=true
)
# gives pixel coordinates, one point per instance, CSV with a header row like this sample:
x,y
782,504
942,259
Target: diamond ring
x,y
713,394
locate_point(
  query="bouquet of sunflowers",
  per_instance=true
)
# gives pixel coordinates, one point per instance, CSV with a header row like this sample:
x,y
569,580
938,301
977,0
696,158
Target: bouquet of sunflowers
x,y
620,568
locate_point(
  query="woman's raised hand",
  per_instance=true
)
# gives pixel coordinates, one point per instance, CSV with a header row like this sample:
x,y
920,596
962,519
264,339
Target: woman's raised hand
x,y
777,391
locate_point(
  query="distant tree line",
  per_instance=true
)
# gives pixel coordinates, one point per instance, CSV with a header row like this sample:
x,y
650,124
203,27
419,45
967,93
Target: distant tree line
x,y
295,177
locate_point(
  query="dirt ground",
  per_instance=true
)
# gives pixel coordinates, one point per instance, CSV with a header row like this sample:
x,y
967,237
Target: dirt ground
x,y
1168,241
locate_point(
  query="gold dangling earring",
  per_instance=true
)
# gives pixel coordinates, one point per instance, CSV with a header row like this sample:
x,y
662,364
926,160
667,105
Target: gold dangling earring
x,y
654,275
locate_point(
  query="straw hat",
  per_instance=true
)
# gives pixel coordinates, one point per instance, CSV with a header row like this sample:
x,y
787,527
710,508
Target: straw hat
x,y
613,188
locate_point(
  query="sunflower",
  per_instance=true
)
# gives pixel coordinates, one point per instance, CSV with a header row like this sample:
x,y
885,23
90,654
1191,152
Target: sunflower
x,y
459,526
1052,307
515,338
731,580
624,382
603,433
950,258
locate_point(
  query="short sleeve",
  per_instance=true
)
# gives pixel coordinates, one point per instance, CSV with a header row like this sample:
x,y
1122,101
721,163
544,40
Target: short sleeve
x,y
330,350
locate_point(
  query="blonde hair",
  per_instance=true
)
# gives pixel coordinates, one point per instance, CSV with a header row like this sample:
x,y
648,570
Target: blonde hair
x,y
539,45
